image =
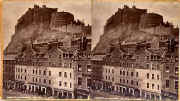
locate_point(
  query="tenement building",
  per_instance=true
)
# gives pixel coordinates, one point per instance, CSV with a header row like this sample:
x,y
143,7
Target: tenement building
x,y
142,73
133,66
60,72
56,64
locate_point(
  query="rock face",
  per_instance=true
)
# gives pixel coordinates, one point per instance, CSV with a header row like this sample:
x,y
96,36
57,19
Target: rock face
x,y
43,23
134,25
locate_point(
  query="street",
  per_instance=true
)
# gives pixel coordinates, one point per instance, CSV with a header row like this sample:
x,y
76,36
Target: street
x,y
16,94
105,95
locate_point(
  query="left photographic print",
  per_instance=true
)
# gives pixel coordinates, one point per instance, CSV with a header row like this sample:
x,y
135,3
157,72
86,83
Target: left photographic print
x,y
45,46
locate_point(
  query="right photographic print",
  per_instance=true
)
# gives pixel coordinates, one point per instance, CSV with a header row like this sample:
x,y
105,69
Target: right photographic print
x,y
135,49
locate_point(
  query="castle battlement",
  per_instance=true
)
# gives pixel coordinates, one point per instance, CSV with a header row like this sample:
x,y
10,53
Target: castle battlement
x,y
52,19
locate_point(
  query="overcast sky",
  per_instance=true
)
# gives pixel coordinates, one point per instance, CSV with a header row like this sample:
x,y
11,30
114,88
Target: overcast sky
x,y
94,13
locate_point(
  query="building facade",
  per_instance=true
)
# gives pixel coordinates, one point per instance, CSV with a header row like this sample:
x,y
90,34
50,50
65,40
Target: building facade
x,y
140,70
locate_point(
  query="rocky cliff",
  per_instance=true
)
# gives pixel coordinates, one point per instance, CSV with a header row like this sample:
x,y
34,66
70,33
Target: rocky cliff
x,y
34,25
143,26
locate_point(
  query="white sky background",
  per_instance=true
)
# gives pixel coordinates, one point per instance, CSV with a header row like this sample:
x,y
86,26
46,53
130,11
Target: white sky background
x,y
97,16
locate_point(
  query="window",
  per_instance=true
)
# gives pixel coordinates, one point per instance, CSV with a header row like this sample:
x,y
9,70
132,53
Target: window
x,y
36,79
44,80
127,73
123,80
147,57
127,81
112,78
147,75
70,65
158,77
158,87
65,84
176,70
70,85
39,72
49,81
147,65
136,74
44,72
124,73
152,86
152,76
132,82
89,68
33,79
132,73
25,70
120,72
64,55
65,74
152,57
137,83
176,84
147,85
60,74
79,81
106,77
79,68
25,77
109,78
40,80
49,73
167,69
70,75
167,83
112,70
33,71
60,83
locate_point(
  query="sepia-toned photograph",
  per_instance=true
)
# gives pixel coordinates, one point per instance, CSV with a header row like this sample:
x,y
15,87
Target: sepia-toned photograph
x,y
46,47
135,49
91,49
